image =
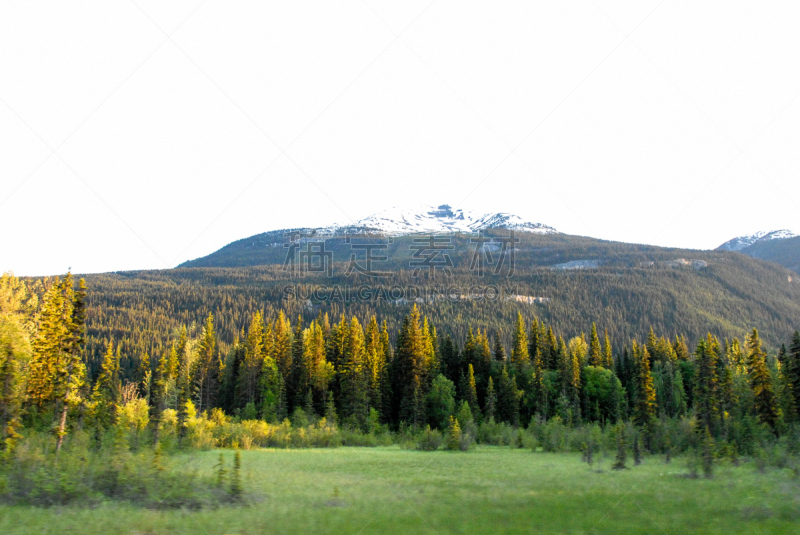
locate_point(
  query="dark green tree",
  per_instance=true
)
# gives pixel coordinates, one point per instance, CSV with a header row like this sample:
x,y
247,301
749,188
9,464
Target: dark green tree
x,y
766,403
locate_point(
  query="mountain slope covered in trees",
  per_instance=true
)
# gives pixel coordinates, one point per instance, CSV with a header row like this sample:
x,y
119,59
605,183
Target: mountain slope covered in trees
x,y
780,246
633,289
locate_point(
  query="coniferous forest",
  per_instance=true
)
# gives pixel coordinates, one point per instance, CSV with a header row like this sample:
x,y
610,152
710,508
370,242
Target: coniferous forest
x,y
296,381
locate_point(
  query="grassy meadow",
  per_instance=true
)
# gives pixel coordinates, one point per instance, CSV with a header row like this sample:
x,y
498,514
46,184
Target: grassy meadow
x,y
486,490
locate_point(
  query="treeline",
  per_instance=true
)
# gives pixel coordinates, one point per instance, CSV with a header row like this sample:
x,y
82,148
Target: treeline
x,y
143,312
361,375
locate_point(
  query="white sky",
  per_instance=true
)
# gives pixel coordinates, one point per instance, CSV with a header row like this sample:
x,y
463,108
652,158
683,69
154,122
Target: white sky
x,y
674,123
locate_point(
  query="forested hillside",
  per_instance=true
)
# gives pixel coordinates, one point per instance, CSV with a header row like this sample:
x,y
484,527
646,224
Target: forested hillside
x,y
785,252
143,310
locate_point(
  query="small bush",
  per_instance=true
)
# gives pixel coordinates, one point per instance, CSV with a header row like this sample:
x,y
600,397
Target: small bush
x,y
431,440
81,475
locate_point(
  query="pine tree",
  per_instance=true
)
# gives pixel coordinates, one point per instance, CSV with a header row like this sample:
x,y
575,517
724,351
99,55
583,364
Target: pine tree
x,y
250,368
453,435
490,407
183,382
408,370
57,372
608,357
507,398
534,338
706,390
537,384
519,352
355,394
158,394
644,409
596,357
792,369
451,359
206,367
553,359
106,391
472,393
282,332
761,382
14,352
376,363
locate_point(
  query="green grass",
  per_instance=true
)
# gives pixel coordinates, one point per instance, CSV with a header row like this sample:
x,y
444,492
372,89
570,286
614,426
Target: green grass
x,y
487,490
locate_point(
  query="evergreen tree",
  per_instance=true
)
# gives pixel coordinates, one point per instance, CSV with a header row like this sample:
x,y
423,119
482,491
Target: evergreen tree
x,y
408,370
608,357
596,357
144,376
206,367
490,407
507,398
441,402
158,394
792,369
376,363
57,372
761,382
537,384
644,409
14,354
534,338
106,391
183,382
355,394
453,435
706,390
451,359
282,332
519,351
471,392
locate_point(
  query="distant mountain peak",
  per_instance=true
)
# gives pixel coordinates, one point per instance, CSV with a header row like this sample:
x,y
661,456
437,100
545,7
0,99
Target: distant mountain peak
x,y
442,219
742,242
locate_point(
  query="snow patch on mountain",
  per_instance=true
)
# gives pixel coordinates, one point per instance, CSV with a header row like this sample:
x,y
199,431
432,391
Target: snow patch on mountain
x,y
441,219
742,242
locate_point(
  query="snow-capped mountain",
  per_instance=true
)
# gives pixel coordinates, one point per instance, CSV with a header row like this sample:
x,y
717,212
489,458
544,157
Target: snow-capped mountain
x,y
737,244
398,221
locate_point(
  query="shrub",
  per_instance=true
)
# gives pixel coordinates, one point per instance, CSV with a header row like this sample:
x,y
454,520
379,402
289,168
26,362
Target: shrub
x,y
431,440
81,475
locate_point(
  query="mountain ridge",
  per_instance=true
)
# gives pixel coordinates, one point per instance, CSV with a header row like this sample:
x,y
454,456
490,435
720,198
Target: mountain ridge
x,y
779,246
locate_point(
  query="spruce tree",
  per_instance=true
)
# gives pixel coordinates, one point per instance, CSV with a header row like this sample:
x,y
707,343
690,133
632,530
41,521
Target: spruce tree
x,y
57,371
644,409
507,398
354,382
519,351
792,369
183,382
471,396
106,391
608,357
453,435
206,367
706,390
537,384
596,357
158,394
14,353
761,382
534,338
490,407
